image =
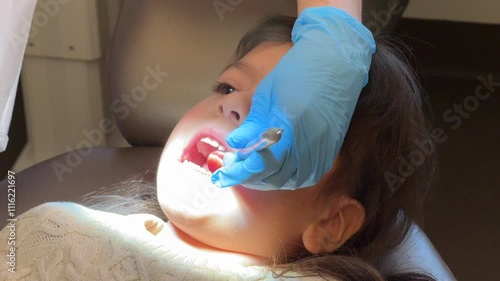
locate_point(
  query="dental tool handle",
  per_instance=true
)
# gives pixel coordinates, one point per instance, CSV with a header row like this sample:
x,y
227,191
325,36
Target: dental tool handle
x,y
265,140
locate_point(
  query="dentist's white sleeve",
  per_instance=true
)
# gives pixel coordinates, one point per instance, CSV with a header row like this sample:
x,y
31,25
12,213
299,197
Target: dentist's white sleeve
x,y
14,16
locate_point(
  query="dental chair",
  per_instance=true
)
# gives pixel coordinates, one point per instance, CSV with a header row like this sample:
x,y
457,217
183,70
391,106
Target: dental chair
x,y
187,43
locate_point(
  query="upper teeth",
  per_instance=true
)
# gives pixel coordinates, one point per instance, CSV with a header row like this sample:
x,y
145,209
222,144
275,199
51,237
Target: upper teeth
x,y
213,143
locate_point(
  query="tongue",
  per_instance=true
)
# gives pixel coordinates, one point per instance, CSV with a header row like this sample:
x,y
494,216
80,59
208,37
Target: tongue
x,y
215,160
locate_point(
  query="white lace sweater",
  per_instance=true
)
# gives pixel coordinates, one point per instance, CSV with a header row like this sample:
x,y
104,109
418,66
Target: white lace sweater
x,y
68,241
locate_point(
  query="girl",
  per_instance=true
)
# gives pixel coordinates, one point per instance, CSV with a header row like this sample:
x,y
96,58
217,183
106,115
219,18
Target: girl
x,y
331,231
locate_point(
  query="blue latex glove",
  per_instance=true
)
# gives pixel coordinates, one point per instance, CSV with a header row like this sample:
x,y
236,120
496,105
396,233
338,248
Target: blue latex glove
x,y
311,94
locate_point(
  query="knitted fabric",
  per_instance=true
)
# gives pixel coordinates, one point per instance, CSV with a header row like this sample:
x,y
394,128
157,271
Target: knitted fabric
x,y
66,241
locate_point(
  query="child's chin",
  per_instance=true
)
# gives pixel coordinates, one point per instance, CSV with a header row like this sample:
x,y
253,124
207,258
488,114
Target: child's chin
x,y
190,194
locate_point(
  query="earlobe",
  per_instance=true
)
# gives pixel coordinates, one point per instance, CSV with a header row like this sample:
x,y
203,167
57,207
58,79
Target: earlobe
x,y
313,239
338,223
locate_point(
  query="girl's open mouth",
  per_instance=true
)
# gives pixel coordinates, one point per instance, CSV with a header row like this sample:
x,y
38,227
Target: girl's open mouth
x,y
204,154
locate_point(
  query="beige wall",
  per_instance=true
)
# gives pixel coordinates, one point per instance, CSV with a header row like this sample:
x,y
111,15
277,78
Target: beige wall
x,y
481,11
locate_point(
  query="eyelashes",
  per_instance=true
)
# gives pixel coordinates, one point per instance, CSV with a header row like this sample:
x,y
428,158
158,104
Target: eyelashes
x,y
223,88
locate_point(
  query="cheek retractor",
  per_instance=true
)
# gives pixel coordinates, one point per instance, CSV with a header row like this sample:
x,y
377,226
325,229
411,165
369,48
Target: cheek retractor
x,y
265,140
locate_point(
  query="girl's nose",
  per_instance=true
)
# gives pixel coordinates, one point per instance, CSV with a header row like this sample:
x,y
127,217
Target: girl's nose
x,y
235,106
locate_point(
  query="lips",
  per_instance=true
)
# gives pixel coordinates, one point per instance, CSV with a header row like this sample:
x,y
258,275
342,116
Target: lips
x,y
204,153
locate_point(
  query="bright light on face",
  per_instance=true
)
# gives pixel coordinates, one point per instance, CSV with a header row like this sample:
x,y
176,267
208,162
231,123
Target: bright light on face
x,y
236,218
201,199
195,196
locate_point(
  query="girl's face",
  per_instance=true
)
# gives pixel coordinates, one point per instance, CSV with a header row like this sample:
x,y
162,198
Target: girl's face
x,y
236,218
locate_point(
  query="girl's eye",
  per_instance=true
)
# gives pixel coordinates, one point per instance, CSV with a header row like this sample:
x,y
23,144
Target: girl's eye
x,y
223,88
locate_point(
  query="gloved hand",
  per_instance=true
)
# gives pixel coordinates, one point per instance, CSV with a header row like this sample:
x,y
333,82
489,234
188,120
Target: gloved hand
x,y
311,94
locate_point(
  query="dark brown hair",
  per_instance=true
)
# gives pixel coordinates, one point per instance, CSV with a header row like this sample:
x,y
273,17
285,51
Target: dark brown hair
x,y
388,120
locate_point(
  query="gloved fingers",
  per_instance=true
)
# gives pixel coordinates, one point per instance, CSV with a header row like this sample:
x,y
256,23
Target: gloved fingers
x,y
254,171
230,175
241,136
283,168
236,172
256,167
264,170
255,123
229,158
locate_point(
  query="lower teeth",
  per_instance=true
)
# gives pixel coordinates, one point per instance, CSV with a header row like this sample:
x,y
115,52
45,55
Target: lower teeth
x,y
197,168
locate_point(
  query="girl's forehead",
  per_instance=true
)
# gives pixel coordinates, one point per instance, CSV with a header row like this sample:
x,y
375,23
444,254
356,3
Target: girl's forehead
x,y
262,58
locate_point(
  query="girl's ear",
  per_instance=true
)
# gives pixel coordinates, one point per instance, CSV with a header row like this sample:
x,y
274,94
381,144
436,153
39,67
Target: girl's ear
x,y
338,222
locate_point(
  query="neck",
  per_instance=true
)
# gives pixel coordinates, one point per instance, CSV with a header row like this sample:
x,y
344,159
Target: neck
x,y
184,244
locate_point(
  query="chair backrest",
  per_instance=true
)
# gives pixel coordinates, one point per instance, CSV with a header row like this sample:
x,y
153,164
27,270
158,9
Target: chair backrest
x,y
165,56
191,41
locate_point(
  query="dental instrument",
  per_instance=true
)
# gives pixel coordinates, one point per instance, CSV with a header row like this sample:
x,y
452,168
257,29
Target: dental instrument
x,y
265,140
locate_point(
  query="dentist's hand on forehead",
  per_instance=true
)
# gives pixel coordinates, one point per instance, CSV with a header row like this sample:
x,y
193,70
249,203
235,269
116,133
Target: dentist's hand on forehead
x,y
311,94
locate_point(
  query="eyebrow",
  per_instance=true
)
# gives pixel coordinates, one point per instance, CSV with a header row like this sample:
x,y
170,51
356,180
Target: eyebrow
x,y
242,66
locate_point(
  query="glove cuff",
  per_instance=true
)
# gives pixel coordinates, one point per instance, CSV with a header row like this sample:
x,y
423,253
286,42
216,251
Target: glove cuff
x,y
333,20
